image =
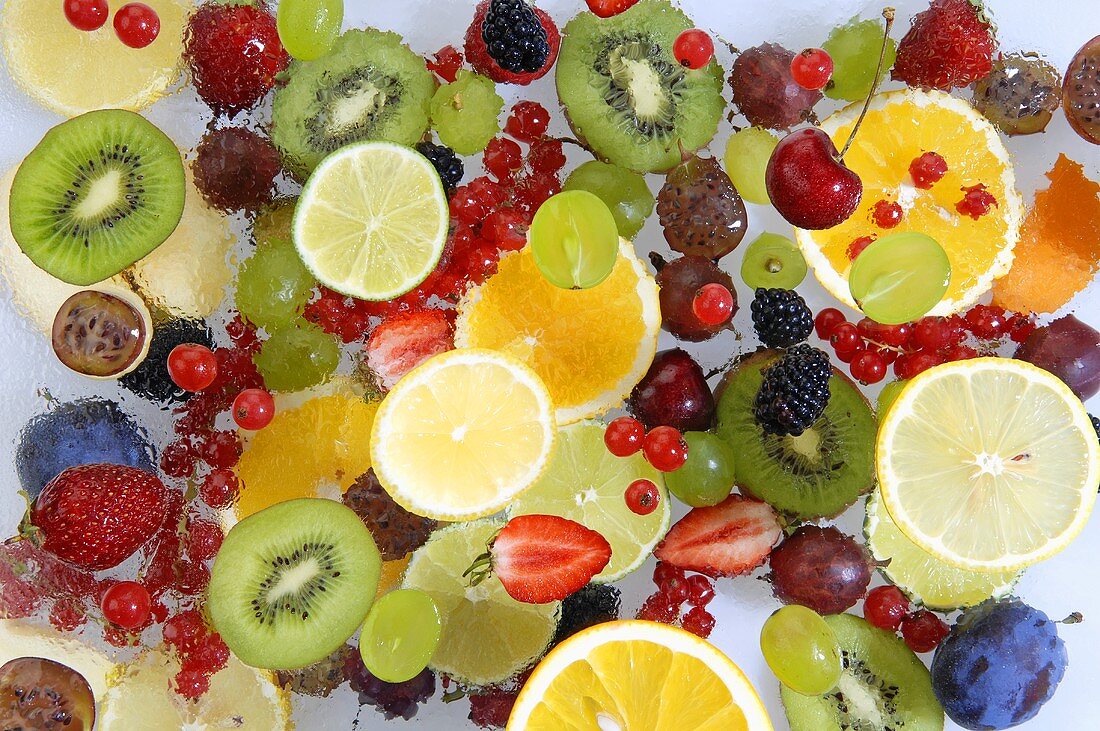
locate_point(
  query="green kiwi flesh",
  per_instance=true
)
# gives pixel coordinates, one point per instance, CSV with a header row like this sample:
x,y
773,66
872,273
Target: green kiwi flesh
x,y
99,192
883,686
817,474
626,96
370,86
293,582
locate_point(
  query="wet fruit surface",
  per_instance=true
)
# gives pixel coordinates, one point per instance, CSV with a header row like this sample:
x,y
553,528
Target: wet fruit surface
x,y
43,694
98,334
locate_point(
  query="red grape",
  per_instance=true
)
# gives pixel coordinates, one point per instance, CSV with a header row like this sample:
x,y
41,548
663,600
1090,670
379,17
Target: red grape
x,y
820,568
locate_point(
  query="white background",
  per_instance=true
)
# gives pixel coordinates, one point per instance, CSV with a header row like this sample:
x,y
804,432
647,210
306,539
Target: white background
x,y
1056,29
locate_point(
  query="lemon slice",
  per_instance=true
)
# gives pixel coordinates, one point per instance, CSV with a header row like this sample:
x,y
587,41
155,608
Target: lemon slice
x,y
463,434
372,220
638,675
589,360
988,464
900,126
586,483
487,636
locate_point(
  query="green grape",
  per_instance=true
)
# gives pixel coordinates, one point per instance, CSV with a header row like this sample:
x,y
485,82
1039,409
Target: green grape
x,y
773,261
855,47
899,277
624,192
888,396
273,285
464,112
574,240
801,649
746,161
707,476
297,357
400,635
308,28
275,222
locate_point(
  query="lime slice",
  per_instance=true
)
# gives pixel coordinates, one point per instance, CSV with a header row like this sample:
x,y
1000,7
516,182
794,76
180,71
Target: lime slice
x,y
372,220
923,577
487,636
586,483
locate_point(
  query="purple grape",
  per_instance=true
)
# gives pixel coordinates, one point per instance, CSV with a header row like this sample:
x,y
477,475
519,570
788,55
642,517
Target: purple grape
x,y
1069,349
765,91
820,568
680,280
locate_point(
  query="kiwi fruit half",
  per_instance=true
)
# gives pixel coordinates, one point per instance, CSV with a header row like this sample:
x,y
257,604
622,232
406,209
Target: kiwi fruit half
x,y
293,582
626,96
370,86
817,474
99,192
883,686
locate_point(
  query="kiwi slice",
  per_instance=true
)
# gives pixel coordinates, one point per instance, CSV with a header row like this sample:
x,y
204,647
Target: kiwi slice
x,y
99,192
626,96
883,686
293,582
370,86
817,474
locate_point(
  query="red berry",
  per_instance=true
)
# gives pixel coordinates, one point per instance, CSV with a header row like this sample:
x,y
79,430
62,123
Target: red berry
x,y
911,365
642,497
847,356
896,335
608,8
657,609
700,590
624,436
959,352
527,122
923,631
858,245
184,631
192,367
845,338
253,409
869,367
932,334
192,684
87,15
812,68
976,201
665,448
827,321
221,449
193,578
666,574
698,621
204,538
1021,328
447,61
886,214
987,322
219,489
885,607
137,25
67,614
178,459
127,604
927,170
502,159
675,592
693,48
713,304
546,156
507,228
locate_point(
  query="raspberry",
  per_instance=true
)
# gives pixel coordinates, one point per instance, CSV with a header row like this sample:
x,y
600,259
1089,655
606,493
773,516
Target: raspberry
x,y
527,122
913,364
479,57
445,161
192,578
185,631
220,488
886,214
781,317
235,169
507,228
949,44
795,391
514,37
546,156
66,615
858,245
192,684
396,531
658,609
178,459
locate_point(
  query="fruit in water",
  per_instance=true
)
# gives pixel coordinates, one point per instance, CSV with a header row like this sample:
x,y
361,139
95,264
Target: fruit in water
x,y
292,582
625,94
192,367
87,15
273,285
127,604
574,240
950,44
36,693
794,391
514,38
137,25
820,568
484,61
150,379
780,317
764,90
713,304
297,357
707,476
746,161
900,277
808,182
885,607
680,281
811,68
399,635
308,28
593,604
1020,94
773,261
86,221
1001,663
1068,348
801,649
673,392
693,48
253,409
700,210
1081,91
235,169
727,539
464,112
665,448
102,334
396,531
854,48
624,192
401,342
882,685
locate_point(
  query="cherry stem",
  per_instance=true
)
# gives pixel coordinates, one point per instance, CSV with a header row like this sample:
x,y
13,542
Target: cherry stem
x,y
887,13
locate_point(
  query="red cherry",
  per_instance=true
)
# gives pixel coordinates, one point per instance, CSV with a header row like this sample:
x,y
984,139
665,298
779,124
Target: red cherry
x,y
713,304
812,68
827,321
137,25
869,367
885,607
192,367
87,15
624,436
923,631
693,48
886,214
253,409
858,245
845,338
927,170
127,604
528,121
220,488
665,448
700,590
642,497
698,621
976,201
809,184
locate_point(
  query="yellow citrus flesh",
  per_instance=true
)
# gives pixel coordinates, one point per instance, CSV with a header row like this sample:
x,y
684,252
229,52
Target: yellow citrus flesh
x,y
900,127
638,675
589,361
988,464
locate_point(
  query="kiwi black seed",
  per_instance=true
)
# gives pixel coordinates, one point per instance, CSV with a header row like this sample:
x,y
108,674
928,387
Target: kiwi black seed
x,y
883,686
293,582
370,86
817,474
626,96
99,192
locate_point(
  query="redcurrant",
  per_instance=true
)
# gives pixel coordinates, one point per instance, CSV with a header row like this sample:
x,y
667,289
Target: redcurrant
x,y
698,621
192,367
546,156
885,607
959,352
87,15
911,365
665,448
927,170
845,338
896,335
528,121
713,304
700,590
624,436
858,245
987,322
502,159
931,333
976,201
127,604
869,367
220,488
642,497
886,214
827,321
693,48
923,631
847,356
137,25
666,574
253,409
812,68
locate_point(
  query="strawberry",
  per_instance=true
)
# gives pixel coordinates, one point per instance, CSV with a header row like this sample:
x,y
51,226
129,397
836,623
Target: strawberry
x,y
542,558
96,516
402,342
607,8
477,53
950,44
730,538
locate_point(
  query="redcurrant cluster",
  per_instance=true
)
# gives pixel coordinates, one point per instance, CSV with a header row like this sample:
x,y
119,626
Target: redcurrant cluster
x,y
674,589
662,446
345,317
201,652
136,24
32,579
887,608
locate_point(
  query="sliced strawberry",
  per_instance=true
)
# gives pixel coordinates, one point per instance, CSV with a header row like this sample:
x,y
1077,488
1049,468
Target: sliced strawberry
x,y
477,54
607,8
545,558
727,539
404,341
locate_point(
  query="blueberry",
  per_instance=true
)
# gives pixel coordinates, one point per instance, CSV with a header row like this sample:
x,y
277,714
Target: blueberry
x,y
1002,661
80,432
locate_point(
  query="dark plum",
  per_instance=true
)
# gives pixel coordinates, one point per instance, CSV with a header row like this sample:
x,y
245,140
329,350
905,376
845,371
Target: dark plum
x,y
674,392
820,568
680,280
1069,349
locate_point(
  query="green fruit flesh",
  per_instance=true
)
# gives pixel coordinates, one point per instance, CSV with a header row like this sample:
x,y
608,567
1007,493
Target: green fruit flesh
x,y
624,192
801,649
773,262
900,277
400,635
746,160
464,113
297,357
574,240
707,477
308,28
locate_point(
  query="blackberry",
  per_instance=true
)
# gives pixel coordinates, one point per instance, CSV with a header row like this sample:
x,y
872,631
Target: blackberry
x,y
446,162
781,318
150,380
593,604
795,391
396,531
321,678
514,36
389,699
1095,425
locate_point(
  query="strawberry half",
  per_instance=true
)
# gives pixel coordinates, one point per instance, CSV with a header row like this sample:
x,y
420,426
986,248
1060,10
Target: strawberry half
x,y
96,516
730,538
950,44
477,53
402,342
543,558
607,8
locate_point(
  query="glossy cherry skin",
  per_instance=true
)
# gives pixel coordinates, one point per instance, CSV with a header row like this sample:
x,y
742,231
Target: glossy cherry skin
x,y
673,393
808,183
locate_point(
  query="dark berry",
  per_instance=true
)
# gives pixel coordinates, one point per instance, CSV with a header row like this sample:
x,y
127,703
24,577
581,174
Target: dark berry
x,y
235,169
151,380
781,317
392,700
321,678
795,391
446,162
514,37
593,604
396,531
